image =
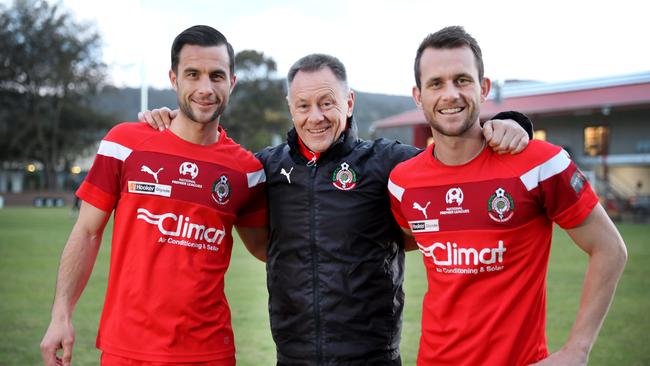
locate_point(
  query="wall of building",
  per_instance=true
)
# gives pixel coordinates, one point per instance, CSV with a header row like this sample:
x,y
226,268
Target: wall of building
x,y
629,130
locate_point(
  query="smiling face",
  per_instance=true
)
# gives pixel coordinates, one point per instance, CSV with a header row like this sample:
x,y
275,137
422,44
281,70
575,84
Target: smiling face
x,y
203,82
320,105
451,92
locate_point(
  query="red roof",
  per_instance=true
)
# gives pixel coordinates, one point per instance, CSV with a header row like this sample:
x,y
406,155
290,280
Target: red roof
x,y
549,103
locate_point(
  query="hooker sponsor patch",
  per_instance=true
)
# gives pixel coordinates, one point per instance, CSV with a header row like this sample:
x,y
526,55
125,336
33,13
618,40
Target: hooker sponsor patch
x,y
149,188
424,226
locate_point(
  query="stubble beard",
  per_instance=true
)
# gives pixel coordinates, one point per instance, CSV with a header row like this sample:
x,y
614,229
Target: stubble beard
x,y
465,126
187,110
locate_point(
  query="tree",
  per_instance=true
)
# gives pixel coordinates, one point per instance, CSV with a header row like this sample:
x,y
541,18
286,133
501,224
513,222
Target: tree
x,y
257,108
49,65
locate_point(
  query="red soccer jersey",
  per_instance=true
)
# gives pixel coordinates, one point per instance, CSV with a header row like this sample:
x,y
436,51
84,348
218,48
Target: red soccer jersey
x,y
484,229
175,204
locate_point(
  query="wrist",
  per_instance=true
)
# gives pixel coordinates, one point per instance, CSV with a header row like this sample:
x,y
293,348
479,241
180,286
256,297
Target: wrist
x,y
61,314
578,348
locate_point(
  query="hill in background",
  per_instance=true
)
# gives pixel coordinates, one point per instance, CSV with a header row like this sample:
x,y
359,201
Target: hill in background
x,y
123,104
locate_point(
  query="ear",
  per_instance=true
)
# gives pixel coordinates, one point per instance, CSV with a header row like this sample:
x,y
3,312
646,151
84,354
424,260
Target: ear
x,y
416,97
486,85
233,82
172,79
350,103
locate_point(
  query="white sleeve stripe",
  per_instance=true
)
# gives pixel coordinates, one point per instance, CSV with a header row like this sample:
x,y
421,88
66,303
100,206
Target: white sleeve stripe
x,y
395,190
256,178
549,168
114,150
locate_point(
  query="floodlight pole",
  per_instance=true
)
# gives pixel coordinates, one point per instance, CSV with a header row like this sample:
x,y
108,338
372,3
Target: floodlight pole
x,y
144,90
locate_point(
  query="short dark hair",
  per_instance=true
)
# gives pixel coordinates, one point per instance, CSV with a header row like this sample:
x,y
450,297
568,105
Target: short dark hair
x,y
201,35
315,62
448,38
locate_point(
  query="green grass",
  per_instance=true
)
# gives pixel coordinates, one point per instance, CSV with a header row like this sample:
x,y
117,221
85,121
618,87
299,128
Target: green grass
x,y
31,241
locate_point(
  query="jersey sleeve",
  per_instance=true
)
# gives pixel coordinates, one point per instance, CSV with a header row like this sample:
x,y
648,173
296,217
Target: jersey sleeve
x,y
396,192
563,190
101,187
255,212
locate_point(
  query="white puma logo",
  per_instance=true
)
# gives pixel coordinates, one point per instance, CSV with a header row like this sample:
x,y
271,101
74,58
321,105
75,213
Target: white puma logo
x,y
423,209
148,170
288,175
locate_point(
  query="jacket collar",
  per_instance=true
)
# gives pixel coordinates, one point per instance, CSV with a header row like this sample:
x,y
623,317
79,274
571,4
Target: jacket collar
x,y
344,144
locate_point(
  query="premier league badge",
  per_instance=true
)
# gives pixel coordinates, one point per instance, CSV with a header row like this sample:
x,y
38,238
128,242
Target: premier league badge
x,y
221,190
501,206
344,177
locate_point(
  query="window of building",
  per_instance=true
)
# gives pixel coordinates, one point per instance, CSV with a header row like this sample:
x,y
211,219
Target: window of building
x,y
596,140
539,135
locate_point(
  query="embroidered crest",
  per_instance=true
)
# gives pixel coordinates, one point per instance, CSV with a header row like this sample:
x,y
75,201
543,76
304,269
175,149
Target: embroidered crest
x,y
501,206
221,190
344,177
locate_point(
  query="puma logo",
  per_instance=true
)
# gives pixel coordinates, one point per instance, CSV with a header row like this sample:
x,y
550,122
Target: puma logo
x,y
287,174
422,209
148,170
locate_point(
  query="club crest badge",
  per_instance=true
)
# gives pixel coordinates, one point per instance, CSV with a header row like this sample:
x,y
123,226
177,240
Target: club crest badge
x,y
344,177
501,206
221,190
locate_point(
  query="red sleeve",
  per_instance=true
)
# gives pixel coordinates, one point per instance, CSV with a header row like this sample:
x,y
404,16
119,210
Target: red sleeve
x,y
255,213
96,197
395,193
101,187
567,197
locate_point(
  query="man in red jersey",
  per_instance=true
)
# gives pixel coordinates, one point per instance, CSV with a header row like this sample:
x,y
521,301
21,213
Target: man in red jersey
x,y
176,196
483,222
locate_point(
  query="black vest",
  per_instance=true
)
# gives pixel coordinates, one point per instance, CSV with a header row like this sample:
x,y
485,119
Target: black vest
x,y
335,261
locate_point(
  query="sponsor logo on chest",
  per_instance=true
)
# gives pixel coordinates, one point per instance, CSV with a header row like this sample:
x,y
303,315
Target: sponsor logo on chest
x,y
183,231
149,188
188,171
453,258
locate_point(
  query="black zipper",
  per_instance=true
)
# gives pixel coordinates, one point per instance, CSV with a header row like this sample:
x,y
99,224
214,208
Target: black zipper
x,y
314,253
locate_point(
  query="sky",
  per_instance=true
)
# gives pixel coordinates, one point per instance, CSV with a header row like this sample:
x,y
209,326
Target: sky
x,y
546,40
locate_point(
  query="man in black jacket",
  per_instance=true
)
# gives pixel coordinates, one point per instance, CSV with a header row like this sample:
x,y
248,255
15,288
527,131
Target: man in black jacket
x,y
335,258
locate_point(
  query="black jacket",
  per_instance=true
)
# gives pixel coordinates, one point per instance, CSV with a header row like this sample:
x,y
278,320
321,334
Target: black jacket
x,y
335,263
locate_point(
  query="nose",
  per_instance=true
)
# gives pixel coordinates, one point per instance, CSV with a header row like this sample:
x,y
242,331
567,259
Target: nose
x,y
315,115
204,87
450,91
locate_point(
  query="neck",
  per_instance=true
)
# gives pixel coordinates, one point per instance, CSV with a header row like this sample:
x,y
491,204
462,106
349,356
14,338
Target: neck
x,y
194,132
453,150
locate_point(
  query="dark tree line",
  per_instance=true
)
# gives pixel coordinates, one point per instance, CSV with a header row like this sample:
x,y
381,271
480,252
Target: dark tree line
x,y
49,65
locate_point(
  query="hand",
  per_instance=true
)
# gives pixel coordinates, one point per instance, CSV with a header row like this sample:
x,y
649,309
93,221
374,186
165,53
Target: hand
x,y
59,335
158,118
505,136
564,357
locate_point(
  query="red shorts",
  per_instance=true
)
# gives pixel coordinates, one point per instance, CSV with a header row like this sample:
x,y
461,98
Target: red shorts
x,y
113,360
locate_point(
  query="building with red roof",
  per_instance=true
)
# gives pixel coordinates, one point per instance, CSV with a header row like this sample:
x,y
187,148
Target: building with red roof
x,y
603,123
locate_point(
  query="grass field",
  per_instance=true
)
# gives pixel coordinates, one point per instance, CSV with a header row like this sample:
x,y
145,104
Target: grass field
x,y
31,241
